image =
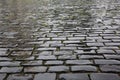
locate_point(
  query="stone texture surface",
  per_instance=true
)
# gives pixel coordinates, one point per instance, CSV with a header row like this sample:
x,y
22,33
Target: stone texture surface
x,y
2,76
84,68
73,77
58,69
20,77
35,69
45,76
59,39
104,76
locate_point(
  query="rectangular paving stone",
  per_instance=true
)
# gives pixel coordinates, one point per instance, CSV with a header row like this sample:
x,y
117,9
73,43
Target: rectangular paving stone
x,y
87,48
57,45
84,52
95,44
2,76
11,69
45,76
37,42
75,76
104,76
73,62
76,38
53,42
25,59
107,34
103,40
112,44
35,69
44,53
59,38
103,61
116,40
74,45
89,41
110,68
109,48
108,31
58,69
102,51
112,56
111,37
96,32
96,38
8,63
91,57
67,42
93,35
57,62
46,49
65,57
51,57
20,77
86,68
62,52
21,53
32,63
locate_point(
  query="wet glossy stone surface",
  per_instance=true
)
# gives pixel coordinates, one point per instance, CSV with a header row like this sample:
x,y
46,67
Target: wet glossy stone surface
x,y
59,40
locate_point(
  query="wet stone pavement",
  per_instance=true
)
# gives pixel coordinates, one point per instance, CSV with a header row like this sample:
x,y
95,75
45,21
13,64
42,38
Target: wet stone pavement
x,y
59,41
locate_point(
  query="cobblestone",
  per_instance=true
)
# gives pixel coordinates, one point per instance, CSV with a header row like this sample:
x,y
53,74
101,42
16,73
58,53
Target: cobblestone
x,y
105,51
58,69
32,63
11,69
112,56
59,40
74,76
95,44
67,57
62,53
91,57
104,76
20,77
35,69
78,62
10,63
84,68
107,62
45,76
54,63
110,68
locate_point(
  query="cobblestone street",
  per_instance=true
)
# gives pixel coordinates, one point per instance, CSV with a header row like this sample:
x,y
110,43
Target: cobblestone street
x,y
64,40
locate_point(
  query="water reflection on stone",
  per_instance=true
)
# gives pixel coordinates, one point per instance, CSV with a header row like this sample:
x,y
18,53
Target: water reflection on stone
x,y
44,35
